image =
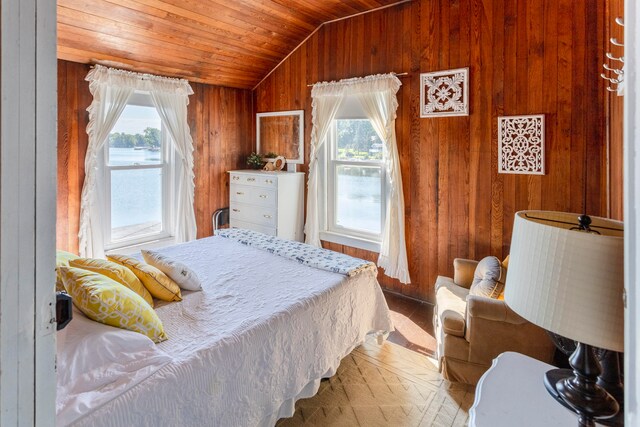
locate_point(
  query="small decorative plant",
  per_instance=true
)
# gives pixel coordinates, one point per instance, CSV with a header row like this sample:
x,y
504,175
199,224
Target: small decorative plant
x,y
270,155
254,161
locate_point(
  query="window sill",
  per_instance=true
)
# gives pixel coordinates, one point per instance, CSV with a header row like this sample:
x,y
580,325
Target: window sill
x,y
354,242
135,249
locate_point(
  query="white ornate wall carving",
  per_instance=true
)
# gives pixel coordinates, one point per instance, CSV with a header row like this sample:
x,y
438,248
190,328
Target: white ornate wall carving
x,y
444,93
521,144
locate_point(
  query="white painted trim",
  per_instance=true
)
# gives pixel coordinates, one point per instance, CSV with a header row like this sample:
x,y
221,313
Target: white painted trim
x,y
46,199
295,113
135,249
354,242
28,83
329,228
168,167
632,212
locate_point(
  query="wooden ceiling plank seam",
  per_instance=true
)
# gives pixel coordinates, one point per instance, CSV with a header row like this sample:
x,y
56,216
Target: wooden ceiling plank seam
x,y
259,7
229,31
318,15
216,34
245,15
125,32
207,38
220,18
286,11
339,8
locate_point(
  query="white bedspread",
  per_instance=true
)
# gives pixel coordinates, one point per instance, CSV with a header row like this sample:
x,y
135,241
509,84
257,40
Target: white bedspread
x,y
261,334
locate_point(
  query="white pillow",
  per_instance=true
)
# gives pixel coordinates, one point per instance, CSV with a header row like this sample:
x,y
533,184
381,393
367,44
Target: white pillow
x,y
177,271
96,363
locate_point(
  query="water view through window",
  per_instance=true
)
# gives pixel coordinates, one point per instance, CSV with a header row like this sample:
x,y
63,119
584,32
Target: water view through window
x,y
136,174
358,176
358,198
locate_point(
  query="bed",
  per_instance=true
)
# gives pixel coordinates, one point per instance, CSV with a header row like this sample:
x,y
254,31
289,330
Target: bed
x,y
261,334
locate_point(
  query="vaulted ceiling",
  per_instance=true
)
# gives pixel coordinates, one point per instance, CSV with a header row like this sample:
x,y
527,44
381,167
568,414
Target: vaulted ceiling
x,y
232,43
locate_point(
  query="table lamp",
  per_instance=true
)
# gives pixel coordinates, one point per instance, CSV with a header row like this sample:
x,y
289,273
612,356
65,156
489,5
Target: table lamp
x,y
566,276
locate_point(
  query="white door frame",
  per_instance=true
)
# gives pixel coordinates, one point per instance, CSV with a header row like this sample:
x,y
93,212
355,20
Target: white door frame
x,y
28,105
632,211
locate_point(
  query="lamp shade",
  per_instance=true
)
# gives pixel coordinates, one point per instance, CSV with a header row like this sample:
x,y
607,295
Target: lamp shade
x,y
568,281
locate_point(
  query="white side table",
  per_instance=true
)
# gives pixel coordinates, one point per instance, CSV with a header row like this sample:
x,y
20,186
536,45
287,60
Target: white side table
x,y
512,393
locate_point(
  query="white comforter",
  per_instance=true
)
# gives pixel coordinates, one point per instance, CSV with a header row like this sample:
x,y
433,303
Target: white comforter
x,y
261,334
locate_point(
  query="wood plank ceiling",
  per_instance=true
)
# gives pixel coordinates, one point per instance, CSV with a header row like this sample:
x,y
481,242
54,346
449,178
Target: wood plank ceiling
x,y
233,43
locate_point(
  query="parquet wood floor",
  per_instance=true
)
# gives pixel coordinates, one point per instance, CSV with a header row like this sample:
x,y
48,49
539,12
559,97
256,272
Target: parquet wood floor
x,y
394,384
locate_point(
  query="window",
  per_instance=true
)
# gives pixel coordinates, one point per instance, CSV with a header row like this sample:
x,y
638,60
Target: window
x,y
355,183
137,177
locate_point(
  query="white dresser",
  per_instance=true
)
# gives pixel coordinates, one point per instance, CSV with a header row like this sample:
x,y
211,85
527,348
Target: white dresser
x,y
268,202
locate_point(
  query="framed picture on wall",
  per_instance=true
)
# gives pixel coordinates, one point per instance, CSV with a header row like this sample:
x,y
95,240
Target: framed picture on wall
x,y
444,93
521,144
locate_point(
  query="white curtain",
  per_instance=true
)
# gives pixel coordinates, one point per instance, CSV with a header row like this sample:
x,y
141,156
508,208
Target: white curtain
x,y
109,100
379,102
111,90
325,103
377,95
172,109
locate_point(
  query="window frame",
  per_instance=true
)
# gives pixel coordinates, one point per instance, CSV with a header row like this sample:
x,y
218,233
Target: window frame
x,y
167,171
330,230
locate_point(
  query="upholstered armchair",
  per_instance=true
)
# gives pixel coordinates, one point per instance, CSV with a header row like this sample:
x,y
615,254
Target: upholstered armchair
x,y
471,330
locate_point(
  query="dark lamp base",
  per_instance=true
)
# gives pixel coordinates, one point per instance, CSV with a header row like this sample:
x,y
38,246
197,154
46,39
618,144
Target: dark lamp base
x,y
577,389
552,377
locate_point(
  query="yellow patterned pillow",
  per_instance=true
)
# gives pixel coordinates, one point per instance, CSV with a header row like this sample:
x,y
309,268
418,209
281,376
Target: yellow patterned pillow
x,y
62,260
156,282
107,301
115,271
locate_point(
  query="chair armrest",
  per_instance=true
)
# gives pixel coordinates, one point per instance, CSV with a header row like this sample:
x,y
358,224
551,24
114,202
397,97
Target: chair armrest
x,y
492,309
452,323
463,270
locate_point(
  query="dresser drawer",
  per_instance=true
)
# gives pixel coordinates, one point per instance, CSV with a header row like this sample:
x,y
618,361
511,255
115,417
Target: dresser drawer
x,y
271,231
257,180
253,195
261,215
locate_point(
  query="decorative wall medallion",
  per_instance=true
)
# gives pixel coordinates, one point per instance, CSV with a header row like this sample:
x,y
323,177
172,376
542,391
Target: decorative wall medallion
x,y
444,93
521,144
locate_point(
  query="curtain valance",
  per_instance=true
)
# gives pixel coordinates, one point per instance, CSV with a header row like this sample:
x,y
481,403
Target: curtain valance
x,y
101,75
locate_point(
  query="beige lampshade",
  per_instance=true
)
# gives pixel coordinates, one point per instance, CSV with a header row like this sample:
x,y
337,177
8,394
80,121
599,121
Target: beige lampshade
x,y
567,281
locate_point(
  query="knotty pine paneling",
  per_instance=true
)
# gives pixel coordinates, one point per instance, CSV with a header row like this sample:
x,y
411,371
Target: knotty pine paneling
x,y
221,122
615,112
73,99
525,57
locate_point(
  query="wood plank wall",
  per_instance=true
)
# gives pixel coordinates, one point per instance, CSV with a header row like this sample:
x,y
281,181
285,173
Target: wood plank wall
x,y
525,57
73,99
221,121
615,112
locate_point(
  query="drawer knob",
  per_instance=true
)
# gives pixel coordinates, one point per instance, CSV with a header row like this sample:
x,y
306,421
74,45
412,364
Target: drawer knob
x,y
268,181
264,196
236,178
267,216
236,210
251,179
239,193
